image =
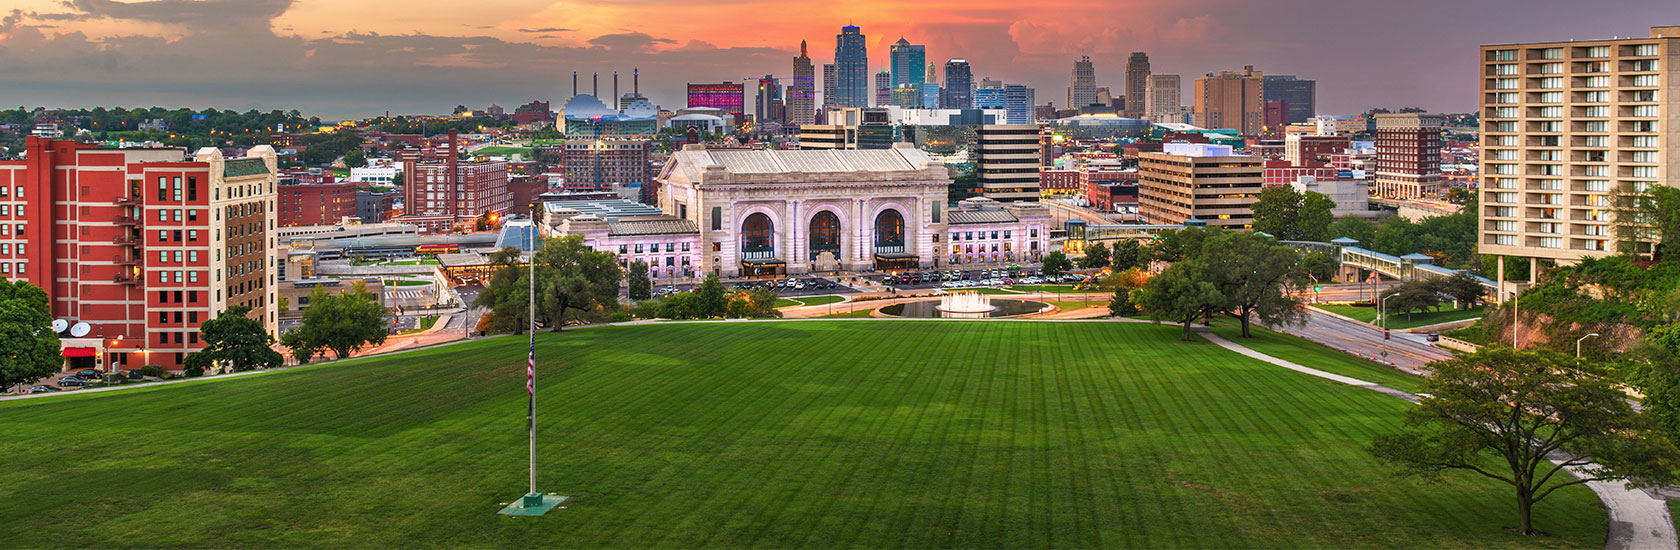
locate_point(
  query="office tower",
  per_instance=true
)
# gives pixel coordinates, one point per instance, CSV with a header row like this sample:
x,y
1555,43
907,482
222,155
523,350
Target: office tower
x,y
1018,101
1137,84
883,89
1231,100
959,81
1408,156
1082,85
1187,181
1299,96
143,245
1161,98
851,73
801,96
769,107
727,96
907,61
829,89
600,165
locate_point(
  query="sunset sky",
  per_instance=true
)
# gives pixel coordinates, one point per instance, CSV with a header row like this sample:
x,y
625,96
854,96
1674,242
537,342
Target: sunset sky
x,y
352,58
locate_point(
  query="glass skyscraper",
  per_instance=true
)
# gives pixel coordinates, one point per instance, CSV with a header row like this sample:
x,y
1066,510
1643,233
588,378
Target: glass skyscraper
x,y
959,85
851,71
907,62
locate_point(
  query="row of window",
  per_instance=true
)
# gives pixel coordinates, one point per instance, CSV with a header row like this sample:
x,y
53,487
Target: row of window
x,y
651,247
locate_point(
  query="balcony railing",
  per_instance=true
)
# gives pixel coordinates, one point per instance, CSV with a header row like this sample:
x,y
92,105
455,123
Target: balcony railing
x,y
126,239
128,201
125,260
126,220
126,278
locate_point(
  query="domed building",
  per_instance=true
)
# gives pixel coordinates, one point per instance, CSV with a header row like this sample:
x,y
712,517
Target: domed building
x,y
586,116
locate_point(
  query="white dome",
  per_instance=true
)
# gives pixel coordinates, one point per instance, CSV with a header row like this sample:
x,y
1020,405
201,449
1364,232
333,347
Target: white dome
x,y
583,106
641,108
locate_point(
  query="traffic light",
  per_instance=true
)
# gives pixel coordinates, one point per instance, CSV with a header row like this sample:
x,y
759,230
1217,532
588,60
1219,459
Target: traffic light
x,y
1317,288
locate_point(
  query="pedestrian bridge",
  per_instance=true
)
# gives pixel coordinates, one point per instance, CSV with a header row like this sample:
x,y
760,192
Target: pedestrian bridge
x,y
1402,268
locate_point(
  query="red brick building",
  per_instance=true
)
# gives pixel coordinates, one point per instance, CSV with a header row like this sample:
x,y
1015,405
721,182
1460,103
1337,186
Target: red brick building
x,y
143,245
1053,182
1282,172
439,196
1109,188
316,203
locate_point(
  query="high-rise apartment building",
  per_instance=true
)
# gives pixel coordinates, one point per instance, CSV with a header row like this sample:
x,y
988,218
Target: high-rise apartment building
x,y
1082,84
769,106
959,85
1231,100
1408,156
1161,98
315,203
883,89
1199,181
907,61
829,86
439,196
1566,126
851,72
600,165
801,95
1299,97
1137,84
143,245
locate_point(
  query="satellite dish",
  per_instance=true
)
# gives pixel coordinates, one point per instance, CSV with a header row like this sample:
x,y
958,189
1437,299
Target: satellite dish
x,y
59,325
79,330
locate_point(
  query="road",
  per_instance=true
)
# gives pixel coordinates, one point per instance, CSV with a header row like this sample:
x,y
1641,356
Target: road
x,y
1404,350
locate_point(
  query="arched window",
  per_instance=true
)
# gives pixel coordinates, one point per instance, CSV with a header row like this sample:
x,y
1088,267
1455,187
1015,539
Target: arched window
x,y
889,229
756,232
825,233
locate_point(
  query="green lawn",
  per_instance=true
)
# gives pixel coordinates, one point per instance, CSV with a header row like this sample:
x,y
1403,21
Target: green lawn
x,y
735,435
1043,288
821,300
784,302
1318,356
407,282
1400,320
985,290
862,313
503,151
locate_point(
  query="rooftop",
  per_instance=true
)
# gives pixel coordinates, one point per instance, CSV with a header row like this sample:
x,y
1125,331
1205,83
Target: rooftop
x,y
609,209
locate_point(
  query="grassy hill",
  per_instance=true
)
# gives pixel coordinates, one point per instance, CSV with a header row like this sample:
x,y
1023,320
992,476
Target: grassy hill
x,y
788,434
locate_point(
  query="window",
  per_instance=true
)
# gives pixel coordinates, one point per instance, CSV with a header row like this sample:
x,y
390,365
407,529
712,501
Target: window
x,y
1505,69
1596,82
163,189
1504,97
192,276
1550,68
1551,83
717,218
1598,51
1504,55
1551,97
1551,53
177,189
163,256
1645,50
192,188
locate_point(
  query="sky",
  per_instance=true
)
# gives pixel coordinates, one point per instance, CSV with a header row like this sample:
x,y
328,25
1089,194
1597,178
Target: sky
x,y
356,58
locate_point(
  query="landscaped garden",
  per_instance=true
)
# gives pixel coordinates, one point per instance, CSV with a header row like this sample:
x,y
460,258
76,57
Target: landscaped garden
x,y
769,434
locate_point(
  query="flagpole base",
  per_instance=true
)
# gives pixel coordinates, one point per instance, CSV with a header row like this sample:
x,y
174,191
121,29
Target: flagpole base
x,y
533,504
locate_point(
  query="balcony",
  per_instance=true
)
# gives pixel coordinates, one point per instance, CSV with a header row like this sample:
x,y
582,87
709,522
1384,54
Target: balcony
x,y
126,220
127,239
125,260
128,201
126,279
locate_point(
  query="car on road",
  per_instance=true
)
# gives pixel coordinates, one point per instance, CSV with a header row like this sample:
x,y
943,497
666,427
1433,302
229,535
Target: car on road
x,y
41,389
71,382
89,374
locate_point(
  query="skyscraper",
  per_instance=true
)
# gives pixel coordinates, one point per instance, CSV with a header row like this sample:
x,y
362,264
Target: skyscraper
x,y
1161,98
907,61
1296,94
801,95
883,89
1082,86
1408,156
770,106
829,89
959,85
851,73
1137,84
1231,100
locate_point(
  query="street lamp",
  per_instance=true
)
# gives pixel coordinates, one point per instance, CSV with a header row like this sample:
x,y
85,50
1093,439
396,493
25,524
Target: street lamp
x,y
1578,344
1384,308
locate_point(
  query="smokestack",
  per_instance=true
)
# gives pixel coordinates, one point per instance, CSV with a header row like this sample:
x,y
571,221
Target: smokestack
x,y
636,82
454,176
595,85
615,88
574,82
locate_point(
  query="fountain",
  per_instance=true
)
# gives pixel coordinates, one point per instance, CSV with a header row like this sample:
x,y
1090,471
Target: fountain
x,y
969,302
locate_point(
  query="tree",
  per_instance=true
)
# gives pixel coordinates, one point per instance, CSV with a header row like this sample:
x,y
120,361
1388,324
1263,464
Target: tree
x,y
763,302
1250,270
1502,412
641,288
572,277
355,158
1359,229
1177,244
1289,215
711,300
1056,263
342,322
682,305
1127,254
1464,289
236,340
1096,256
1127,287
1313,221
1413,295
1316,266
28,345
508,294
1181,294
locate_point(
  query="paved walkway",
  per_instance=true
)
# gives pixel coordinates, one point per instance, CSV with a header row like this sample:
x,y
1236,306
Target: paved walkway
x,y
1638,521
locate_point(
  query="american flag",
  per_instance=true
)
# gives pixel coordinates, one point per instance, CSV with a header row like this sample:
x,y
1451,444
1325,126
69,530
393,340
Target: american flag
x,y
531,370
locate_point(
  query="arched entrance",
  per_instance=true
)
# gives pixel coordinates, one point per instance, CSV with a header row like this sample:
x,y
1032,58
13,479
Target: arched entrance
x,y
825,234
758,247
890,252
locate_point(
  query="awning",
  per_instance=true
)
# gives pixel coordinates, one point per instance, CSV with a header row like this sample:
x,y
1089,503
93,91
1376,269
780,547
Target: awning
x,y
895,256
769,261
80,352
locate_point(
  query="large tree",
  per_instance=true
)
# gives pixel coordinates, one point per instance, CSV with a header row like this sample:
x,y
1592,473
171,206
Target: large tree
x,y
1128,254
343,322
1464,289
1177,244
711,300
1056,263
1181,294
1250,270
235,340
1290,215
1413,295
1507,414
508,294
28,345
1096,256
641,288
574,279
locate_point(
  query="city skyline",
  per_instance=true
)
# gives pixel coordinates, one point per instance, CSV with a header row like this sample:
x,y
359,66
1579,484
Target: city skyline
x,y
356,59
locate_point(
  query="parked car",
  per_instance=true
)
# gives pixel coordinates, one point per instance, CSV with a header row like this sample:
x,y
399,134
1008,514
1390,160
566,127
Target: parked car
x,y
41,389
89,374
71,382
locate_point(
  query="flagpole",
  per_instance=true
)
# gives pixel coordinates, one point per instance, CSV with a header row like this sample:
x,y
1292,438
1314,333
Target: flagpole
x,y
533,503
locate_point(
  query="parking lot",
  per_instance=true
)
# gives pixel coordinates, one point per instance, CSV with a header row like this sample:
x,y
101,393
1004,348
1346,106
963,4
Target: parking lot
x,y
958,279
784,286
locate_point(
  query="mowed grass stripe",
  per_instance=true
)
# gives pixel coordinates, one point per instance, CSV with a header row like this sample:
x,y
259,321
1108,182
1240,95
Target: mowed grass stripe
x,y
754,435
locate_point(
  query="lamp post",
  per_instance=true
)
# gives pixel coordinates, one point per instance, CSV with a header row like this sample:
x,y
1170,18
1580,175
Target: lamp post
x,y
1384,312
1578,344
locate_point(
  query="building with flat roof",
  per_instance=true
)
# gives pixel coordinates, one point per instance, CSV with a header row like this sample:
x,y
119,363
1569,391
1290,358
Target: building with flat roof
x,y
1408,156
1203,182
1231,100
1566,126
143,245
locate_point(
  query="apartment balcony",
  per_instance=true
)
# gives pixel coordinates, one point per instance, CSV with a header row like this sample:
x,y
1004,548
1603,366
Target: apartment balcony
x,y
126,220
128,201
127,240
126,260
126,279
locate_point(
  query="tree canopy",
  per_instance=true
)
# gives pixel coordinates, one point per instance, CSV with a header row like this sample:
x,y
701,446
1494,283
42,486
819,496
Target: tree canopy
x,y
1289,215
28,345
1181,294
235,340
1096,256
641,287
342,322
1056,263
574,280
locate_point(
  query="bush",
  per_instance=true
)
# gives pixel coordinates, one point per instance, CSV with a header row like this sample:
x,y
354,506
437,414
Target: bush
x,y
154,371
619,317
192,372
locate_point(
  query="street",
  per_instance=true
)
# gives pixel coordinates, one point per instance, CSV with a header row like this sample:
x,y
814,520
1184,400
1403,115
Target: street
x,y
1405,350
